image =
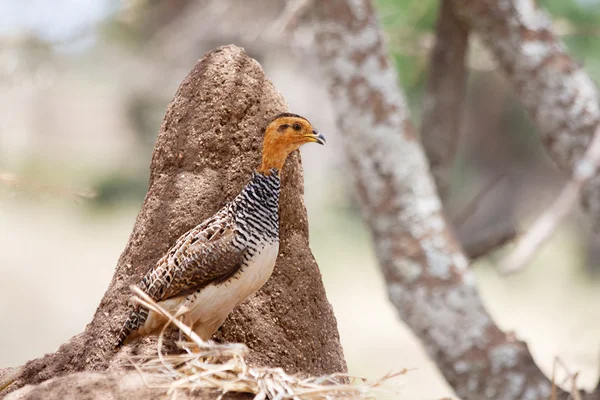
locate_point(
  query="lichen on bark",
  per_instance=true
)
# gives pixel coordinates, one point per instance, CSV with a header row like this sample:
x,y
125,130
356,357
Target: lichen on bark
x,y
560,97
427,274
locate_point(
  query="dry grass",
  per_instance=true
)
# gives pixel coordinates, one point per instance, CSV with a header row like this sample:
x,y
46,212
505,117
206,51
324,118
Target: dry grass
x,y
222,368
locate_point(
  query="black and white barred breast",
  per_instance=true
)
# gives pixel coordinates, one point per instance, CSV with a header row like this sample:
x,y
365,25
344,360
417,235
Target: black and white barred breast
x,y
236,248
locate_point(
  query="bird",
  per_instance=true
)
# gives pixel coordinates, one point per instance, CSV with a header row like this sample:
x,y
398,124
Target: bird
x,y
215,266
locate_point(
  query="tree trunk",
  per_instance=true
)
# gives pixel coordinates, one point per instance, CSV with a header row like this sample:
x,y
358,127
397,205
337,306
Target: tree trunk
x,y
427,275
444,97
560,97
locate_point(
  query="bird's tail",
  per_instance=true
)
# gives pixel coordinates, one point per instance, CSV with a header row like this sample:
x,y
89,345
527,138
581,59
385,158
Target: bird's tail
x,y
136,320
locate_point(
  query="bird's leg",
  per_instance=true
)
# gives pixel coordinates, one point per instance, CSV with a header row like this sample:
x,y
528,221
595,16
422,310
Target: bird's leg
x,y
199,330
181,315
184,314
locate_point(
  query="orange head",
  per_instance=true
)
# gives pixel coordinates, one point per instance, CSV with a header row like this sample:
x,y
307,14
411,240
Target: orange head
x,y
285,133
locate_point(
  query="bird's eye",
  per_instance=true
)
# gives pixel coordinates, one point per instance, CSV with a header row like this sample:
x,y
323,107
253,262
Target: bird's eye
x,y
296,127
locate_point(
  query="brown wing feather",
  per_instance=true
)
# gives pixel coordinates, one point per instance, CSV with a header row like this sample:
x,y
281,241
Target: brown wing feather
x,y
201,256
205,254
204,263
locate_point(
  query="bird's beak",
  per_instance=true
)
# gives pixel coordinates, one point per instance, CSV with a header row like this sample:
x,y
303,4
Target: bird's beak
x,y
315,137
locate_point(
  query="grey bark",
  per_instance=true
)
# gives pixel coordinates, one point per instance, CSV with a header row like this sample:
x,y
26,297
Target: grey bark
x,y
427,275
560,97
444,97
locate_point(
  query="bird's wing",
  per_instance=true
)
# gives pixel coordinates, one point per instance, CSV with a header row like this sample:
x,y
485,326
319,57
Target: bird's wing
x,y
204,255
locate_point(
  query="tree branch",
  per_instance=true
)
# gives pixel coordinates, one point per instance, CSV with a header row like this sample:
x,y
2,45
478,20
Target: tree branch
x,y
427,275
546,224
22,184
470,208
489,241
443,99
560,97
290,17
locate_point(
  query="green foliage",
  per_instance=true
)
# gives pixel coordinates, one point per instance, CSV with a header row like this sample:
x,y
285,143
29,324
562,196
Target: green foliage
x,y
583,13
408,24
115,188
416,14
578,22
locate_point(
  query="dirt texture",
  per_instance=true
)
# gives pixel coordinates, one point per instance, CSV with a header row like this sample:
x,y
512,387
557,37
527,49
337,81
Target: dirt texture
x,y
208,145
109,385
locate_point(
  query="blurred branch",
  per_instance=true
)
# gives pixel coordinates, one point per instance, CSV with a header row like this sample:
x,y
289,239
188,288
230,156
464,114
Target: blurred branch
x,y
266,26
23,184
444,96
489,242
411,44
560,97
543,228
290,17
427,275
472,205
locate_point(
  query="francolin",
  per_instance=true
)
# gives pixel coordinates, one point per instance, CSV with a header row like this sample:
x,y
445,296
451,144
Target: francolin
x,y
215,266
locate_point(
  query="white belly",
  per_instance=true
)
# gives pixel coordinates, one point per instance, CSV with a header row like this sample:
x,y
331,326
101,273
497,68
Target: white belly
x,y
208,308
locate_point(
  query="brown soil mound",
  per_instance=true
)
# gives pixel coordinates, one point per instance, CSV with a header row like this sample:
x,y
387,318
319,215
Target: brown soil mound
x,y
208,144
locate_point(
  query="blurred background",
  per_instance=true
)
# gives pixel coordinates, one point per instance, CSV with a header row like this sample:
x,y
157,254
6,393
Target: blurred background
x,y
84,85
